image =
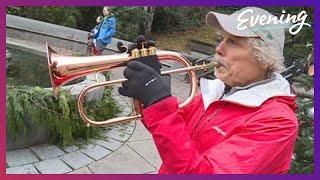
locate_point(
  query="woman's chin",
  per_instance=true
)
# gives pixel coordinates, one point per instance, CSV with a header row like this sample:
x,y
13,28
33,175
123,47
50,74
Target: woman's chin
x,y
221,73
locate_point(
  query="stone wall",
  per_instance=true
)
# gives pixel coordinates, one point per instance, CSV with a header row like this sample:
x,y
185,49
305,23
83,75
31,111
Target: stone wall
x,y
21,28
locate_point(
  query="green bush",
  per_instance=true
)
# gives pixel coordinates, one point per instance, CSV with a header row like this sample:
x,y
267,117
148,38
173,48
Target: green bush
x,y
173,19
130,22
34,106
65,16
303,161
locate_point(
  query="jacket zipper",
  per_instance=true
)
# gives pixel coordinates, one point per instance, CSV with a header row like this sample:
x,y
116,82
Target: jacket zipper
x,y
197,124
198,131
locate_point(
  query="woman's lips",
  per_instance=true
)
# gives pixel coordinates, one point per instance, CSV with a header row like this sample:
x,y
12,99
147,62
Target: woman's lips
x,y
222,65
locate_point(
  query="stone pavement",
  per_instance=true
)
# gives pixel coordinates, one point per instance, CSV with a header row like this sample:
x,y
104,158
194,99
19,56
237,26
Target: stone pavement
x,y
126,148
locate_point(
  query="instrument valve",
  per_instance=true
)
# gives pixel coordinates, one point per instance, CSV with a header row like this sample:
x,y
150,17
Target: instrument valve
x,y
135,53
144,51
152,51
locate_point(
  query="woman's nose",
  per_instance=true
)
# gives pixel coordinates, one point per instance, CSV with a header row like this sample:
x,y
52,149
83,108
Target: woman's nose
x,y
220,49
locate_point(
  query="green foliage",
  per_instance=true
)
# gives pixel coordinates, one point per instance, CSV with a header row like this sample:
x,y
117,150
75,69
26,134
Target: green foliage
x,y
304,148
296,45
303,161
65,16
172,19
299,47
130,22
28,107
86,17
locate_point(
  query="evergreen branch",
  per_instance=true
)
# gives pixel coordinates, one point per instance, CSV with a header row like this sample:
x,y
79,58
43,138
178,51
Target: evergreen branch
x,y
42,107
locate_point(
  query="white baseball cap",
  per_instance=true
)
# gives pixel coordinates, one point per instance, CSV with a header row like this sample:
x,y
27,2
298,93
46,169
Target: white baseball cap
x,y
271,33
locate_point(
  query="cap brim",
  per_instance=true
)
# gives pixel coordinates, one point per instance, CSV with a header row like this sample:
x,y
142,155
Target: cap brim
x,y
227,23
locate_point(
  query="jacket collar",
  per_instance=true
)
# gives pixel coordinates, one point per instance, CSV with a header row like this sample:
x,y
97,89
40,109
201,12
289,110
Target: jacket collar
x,y
108,16
252,95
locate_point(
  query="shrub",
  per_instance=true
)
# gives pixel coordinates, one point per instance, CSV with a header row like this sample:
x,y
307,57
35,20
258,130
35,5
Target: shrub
x,y
34,106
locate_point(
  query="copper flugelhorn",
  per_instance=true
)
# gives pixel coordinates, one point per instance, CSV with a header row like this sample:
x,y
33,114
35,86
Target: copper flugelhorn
x,y
63,69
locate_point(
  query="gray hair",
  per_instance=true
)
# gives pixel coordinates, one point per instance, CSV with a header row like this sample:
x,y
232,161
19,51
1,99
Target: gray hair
x,y
267,55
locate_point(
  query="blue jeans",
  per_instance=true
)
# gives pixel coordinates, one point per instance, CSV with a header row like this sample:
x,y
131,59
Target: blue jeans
x,y
100,46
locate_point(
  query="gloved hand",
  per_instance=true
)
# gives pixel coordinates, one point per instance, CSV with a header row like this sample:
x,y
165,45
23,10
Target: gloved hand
x,y
144,83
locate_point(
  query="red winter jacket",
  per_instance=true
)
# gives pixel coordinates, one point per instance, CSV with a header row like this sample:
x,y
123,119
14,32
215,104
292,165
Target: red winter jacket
x,y
251,131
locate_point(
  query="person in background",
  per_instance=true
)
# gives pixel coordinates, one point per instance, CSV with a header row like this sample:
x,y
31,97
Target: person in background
x,y
106,31
95,30
92,42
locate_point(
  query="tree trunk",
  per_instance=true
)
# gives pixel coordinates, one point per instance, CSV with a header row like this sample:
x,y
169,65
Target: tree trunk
x,y
150,11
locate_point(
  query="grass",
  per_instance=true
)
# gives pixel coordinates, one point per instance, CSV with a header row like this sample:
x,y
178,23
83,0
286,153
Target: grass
x,y
179,41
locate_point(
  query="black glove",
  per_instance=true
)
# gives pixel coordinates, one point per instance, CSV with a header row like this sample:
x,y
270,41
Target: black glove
x,y
144,83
